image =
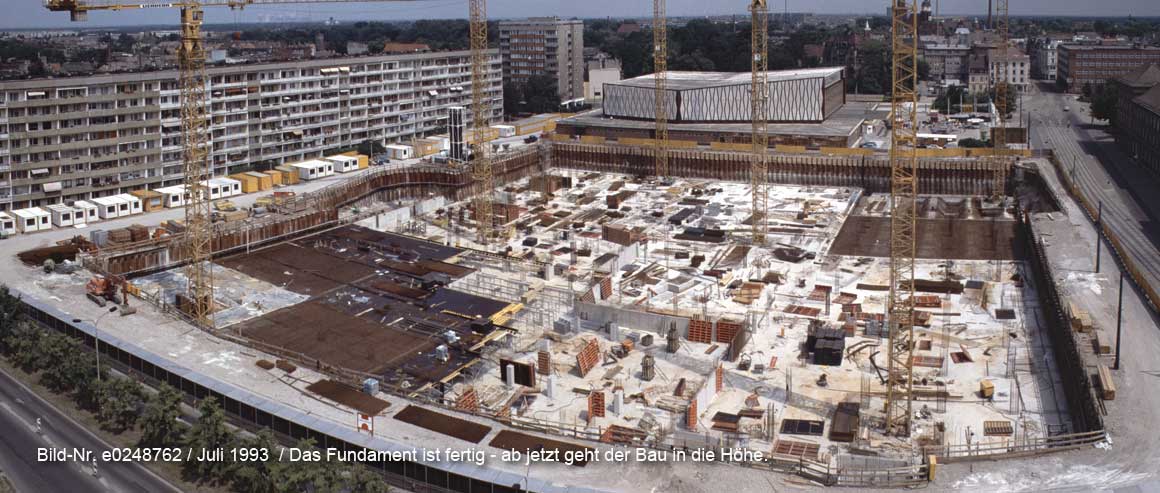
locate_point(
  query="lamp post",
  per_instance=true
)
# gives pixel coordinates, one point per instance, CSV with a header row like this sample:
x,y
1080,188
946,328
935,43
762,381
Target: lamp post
x,y
1119,321
528,471
97,336
1099,232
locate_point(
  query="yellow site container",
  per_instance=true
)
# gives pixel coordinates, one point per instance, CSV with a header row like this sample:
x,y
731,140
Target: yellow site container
x,y
150,200
428,146
249,183
364,161
264,180
289,175
275,176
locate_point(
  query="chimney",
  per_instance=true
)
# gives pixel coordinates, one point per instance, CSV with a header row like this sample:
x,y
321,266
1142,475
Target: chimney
x,y
990,14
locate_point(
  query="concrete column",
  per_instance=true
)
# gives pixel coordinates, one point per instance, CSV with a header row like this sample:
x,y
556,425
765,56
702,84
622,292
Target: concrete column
x,y
617,402
510,376
550,388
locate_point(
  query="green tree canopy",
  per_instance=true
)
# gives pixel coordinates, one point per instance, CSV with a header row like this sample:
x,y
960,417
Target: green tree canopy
x,y
159,426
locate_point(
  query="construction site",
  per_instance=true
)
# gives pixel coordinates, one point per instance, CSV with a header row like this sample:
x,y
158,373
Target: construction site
x,y
853,319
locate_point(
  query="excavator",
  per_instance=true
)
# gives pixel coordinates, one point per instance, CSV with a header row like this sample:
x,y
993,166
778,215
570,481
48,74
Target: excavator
x,y
103,290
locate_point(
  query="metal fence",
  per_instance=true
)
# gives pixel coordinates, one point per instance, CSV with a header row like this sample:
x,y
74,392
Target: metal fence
x,y
1105,230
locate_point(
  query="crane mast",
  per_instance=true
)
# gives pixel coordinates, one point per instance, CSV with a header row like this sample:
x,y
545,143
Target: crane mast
x,y
481,111
194,130
1002,72
759,107
660,82
903,202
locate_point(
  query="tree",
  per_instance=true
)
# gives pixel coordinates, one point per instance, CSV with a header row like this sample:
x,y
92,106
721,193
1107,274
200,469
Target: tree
x,y
371,148
319,475
209,433
513,98
65,366
11,316
118,402
23,344
254,476
923,70
541,94
362,479
159,426
1105,100
1012,99
973,143
949,101
873,75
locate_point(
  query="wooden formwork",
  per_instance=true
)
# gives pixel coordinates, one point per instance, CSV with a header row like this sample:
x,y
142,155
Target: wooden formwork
x,y
943,176
314,211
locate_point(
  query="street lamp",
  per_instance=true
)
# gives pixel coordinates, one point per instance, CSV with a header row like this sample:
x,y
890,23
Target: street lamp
x,y
528,472
97,336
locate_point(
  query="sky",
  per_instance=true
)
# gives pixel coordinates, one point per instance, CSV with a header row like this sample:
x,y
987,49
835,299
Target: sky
x,y
32,14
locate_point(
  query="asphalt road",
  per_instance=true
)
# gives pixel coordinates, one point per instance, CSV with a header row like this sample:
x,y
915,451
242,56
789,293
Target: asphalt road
x,y
1105,174
20,441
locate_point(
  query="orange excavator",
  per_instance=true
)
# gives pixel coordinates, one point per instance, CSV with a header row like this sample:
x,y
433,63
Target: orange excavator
x,y
103,289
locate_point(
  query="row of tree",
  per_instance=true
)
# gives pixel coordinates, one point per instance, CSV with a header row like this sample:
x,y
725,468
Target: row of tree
x,y
123,404
537,95
702,45
446,34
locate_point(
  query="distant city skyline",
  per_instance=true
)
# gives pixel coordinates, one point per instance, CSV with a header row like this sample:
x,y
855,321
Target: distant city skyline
x,y
32,14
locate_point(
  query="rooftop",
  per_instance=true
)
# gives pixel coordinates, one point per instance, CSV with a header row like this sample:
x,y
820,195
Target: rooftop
x,y
843,122
1150,99
1143,76
1087,47
697,80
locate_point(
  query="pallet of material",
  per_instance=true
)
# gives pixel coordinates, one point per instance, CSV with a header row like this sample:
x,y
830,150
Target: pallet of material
x,y
748,292
138,232
120,235
803,310
751,413
928,301
845,298
1081,320
998,428
726,422
1101,342
623,435
796,449
1107,385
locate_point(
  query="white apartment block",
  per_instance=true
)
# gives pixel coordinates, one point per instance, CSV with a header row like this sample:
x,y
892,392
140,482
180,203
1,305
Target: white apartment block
x,y
545,46
1047,59
1015,69
78,138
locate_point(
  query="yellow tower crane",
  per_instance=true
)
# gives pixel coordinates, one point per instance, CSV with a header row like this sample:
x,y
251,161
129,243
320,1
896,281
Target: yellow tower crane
x,y
194,131
660,81
759,107
481,119
1002,88
903,204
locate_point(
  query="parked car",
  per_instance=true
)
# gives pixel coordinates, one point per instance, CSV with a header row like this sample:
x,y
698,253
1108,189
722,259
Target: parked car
x,y
869,145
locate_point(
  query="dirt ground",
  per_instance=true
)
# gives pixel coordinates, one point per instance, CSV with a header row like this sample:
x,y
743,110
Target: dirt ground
x,y
864,236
